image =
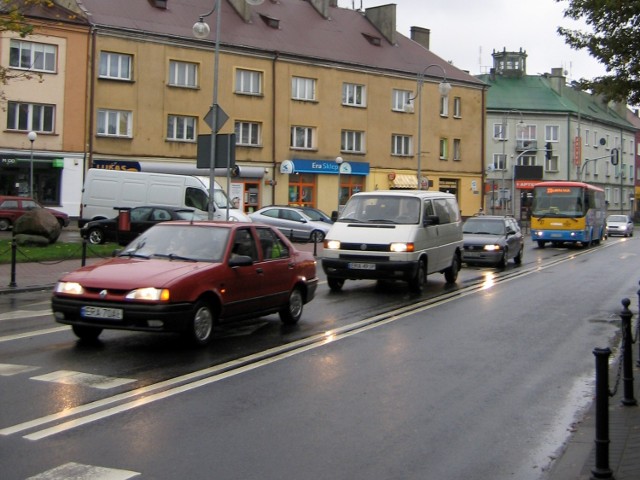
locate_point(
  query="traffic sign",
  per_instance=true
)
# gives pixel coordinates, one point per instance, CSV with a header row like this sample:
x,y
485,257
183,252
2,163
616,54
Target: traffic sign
x,y
221,119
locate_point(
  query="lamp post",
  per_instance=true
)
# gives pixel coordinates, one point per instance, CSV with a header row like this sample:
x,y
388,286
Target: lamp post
x,y
201,31
504,159
339,161
32,136
444,88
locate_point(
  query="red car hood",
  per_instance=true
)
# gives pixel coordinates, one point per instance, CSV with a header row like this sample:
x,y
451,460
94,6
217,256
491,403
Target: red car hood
x,y
130,273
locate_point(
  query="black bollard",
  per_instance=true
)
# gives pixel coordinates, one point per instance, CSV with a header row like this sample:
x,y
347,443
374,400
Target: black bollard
x,y
602,469
14,248
84,252
627,367
638,361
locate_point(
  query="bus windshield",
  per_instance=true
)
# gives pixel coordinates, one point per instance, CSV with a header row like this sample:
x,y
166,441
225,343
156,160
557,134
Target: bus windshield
x,y
558,202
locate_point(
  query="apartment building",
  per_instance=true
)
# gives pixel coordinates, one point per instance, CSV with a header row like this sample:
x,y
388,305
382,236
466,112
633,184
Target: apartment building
x,y
539,127
312,95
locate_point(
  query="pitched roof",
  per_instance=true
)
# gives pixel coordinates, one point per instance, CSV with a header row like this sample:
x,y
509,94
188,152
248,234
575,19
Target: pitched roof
x,y
301,32
535,94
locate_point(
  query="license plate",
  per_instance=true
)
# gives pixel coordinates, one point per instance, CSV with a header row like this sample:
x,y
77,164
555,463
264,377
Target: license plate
x,y
362,266
101,312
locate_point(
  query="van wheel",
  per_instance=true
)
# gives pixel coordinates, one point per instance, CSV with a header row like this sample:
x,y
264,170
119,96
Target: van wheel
x,y
335,284
418,282
451,273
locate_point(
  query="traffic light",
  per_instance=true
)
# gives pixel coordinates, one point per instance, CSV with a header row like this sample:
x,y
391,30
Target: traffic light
x,y
614,156
548,151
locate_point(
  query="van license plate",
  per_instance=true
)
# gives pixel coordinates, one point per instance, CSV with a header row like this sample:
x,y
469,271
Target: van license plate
x,y
101,312
362,266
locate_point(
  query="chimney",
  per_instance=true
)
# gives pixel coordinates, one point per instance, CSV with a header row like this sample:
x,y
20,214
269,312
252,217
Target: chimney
x,y
322,6
557,80
242,8
384,19
421,36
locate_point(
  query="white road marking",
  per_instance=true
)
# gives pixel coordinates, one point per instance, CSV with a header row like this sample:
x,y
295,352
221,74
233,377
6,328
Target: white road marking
x,y
68,377
8,369
78,471
20,336
16,314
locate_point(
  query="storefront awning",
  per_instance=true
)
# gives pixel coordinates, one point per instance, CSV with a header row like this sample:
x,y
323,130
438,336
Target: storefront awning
x,y
405,181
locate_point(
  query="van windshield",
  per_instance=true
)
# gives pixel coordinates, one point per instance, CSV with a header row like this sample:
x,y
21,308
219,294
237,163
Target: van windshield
x,y
383,209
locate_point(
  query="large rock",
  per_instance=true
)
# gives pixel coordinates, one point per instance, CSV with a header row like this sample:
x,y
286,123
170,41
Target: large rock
x,y
38,221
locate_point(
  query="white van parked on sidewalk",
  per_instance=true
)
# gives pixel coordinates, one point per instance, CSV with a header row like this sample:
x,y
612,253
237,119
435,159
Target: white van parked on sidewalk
x,y
106,190
394,235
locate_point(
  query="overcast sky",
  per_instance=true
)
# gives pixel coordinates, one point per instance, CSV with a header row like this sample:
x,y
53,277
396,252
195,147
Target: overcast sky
x,y
466,32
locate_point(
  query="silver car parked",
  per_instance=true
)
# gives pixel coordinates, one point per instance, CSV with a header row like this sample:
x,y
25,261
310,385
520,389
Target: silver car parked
x,y
292,222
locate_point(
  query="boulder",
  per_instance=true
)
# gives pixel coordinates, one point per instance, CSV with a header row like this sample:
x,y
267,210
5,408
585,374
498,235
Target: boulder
x,y
25,240
38,221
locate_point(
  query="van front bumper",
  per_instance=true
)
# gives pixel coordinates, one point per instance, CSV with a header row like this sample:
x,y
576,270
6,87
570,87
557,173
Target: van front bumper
x,y
349,269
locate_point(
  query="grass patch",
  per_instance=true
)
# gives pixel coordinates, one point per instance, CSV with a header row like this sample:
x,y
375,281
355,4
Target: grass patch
x,y
54,251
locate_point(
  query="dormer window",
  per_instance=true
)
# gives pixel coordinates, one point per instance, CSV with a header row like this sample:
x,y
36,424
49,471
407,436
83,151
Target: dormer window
x,y
270,21
373,40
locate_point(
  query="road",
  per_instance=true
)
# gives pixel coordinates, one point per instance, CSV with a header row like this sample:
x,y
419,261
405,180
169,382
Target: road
x,y
479,381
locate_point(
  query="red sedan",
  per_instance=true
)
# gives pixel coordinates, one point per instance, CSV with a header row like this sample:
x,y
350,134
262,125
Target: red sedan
x,y
186,277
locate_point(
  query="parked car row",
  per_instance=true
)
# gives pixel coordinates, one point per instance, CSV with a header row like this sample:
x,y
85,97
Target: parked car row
x,y
13,207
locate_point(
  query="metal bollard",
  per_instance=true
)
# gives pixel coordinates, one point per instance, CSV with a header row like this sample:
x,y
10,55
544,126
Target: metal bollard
x,y
84,252
627,367
638,361
602,469
14,248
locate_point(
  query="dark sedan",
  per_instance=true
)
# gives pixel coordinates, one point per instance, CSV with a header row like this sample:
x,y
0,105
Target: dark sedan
x,y
188,277
492,240
140,219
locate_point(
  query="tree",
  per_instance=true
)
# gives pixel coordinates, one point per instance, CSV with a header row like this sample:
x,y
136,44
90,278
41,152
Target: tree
x,y
614,41
13,19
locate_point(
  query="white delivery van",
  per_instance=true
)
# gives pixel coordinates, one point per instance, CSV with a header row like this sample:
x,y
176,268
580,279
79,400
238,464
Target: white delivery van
x,y
106,190
394,235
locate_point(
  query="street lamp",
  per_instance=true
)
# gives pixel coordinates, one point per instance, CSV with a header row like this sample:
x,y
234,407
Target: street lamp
x,y
201,31
444,88
339,161
32,136
504,159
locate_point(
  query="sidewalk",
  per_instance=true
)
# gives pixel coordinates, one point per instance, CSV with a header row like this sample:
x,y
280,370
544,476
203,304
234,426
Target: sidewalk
x,y
577,460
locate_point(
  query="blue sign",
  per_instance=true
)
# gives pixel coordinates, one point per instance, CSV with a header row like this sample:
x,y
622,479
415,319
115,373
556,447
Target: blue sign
x,y
327,167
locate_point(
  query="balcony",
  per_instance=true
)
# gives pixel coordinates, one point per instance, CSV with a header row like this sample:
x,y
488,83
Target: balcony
x,y
523,145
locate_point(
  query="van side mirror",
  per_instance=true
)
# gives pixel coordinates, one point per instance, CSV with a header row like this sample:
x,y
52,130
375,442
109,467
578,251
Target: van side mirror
x,y
430,220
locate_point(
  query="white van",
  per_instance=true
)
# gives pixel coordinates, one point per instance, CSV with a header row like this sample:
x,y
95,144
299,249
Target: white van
x,y
394,235
106,190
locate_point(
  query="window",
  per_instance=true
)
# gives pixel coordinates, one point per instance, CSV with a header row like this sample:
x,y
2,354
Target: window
x,y
115,66
500,131
354,95
551,133
457,107
32,56
596,140
183,74
114,123
456,149
248,134
401,99
551,164
526,132
181,128
606,142
303,88
444,106
30,116
499,161
248,82
401,145
302,137
586,137
444,148
527,160
352,141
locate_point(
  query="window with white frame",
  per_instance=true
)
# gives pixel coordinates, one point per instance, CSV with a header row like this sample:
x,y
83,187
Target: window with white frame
x,y
444,149
302,137
499,161
26,117
551,164
457,152
616,196
444,105
401,145
586,136
39,57
526,132
116,66
596,140
606,141
352,141
114,123
551,133
183,74
500,131
248,82
527,160
248,134
607,194
354,95
181,128
401,99
457,107
607,170
303,88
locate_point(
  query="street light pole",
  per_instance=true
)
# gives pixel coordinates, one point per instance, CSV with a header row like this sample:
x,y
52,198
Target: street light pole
x,y
32,136
444,88
505,139
339,161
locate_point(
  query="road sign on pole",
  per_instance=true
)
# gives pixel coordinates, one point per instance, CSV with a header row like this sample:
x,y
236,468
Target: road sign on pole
x,y
221,118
